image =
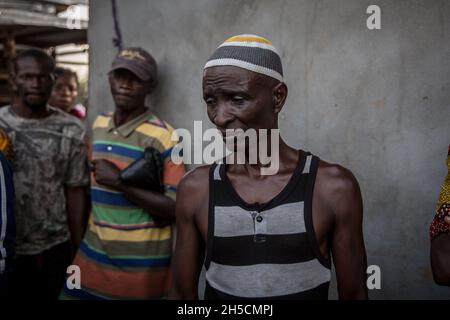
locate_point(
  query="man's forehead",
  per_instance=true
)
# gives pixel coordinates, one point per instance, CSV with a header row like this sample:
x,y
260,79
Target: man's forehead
x,y
231,75
32,63
66,79
228,72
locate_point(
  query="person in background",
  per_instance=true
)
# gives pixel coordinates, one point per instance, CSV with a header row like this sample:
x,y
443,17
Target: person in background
x,y
51,174
440,234
65,93
127,249
7,222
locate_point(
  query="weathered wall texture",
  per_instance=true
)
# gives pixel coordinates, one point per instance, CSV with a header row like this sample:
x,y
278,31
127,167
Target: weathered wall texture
x,y
376,102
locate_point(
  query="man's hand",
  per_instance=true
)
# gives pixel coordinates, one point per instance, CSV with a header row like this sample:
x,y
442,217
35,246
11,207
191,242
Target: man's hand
x,y
159,205
447,220
76,203
106,173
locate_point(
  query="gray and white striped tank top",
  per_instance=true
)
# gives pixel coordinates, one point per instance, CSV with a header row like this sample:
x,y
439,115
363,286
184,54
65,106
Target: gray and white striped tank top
x,y
265,251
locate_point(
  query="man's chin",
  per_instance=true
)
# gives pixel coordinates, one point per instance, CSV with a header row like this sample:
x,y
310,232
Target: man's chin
x,y
36,103
233,143
125,106
63,105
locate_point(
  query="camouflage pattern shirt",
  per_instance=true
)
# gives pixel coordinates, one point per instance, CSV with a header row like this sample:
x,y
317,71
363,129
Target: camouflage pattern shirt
x,y
49,154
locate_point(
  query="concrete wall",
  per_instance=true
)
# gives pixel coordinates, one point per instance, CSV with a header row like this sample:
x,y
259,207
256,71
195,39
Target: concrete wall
x,y
376,102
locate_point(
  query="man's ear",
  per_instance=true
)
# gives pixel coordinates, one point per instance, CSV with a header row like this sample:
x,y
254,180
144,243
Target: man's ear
x,y
151,85
279,93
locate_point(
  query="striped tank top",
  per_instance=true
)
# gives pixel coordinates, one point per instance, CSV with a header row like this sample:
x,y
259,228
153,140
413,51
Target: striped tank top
x,y
265,251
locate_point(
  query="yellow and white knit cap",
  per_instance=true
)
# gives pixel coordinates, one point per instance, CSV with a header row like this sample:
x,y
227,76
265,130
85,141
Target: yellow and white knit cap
x,y
248,51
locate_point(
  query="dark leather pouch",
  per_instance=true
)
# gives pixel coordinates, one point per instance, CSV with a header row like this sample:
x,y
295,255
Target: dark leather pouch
x,y
145,172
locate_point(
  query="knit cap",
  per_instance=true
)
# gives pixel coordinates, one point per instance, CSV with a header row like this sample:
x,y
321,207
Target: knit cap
x,y
248,51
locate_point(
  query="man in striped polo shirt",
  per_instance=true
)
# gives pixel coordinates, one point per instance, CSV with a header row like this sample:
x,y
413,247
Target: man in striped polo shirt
x,y
126,251
265,236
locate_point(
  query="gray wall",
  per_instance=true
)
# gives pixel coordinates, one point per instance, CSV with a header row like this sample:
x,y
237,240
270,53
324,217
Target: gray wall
x,y
373,101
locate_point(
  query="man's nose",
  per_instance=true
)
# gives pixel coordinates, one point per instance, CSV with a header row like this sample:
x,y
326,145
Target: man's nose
x,y
35,82
125,82
65,91
222,116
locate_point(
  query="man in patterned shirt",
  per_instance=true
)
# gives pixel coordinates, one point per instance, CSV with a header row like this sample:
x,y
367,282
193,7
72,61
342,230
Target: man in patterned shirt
x,y
50,178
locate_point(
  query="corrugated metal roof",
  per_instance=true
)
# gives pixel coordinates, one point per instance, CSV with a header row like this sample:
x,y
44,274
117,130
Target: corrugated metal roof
x,y
12,17
35,13
38,23
69,2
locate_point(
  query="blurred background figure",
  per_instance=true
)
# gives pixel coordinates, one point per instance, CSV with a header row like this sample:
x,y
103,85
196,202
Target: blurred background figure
x,y
65,93
50,179
7,221
440,234
57,26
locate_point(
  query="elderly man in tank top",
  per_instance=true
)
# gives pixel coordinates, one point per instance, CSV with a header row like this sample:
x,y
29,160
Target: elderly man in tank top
x,y
264,236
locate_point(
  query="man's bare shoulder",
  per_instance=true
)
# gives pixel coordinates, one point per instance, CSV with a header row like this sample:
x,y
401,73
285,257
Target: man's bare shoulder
x,y
194,185
335,174
196,179
192,192
337,186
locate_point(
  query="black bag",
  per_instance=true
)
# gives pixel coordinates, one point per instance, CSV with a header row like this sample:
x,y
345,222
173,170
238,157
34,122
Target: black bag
x,y
145,172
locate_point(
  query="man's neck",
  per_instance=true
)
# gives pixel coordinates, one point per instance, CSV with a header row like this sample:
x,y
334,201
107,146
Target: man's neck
x,y
287,157
123,116
25,111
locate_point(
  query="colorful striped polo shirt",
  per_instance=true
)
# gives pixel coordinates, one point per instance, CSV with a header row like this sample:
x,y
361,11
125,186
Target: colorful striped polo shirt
x,y
125,253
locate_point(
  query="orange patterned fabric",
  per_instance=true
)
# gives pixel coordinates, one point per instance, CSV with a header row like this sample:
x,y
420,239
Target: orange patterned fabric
x,y
6,145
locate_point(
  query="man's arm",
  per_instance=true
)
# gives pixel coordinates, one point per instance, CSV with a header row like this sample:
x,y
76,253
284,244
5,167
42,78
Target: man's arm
x,y
349,254
190,246
440,257
76,183
159,205
76,203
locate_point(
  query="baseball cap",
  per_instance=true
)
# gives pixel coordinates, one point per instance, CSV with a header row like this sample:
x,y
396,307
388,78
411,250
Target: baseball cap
x,y
136,60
